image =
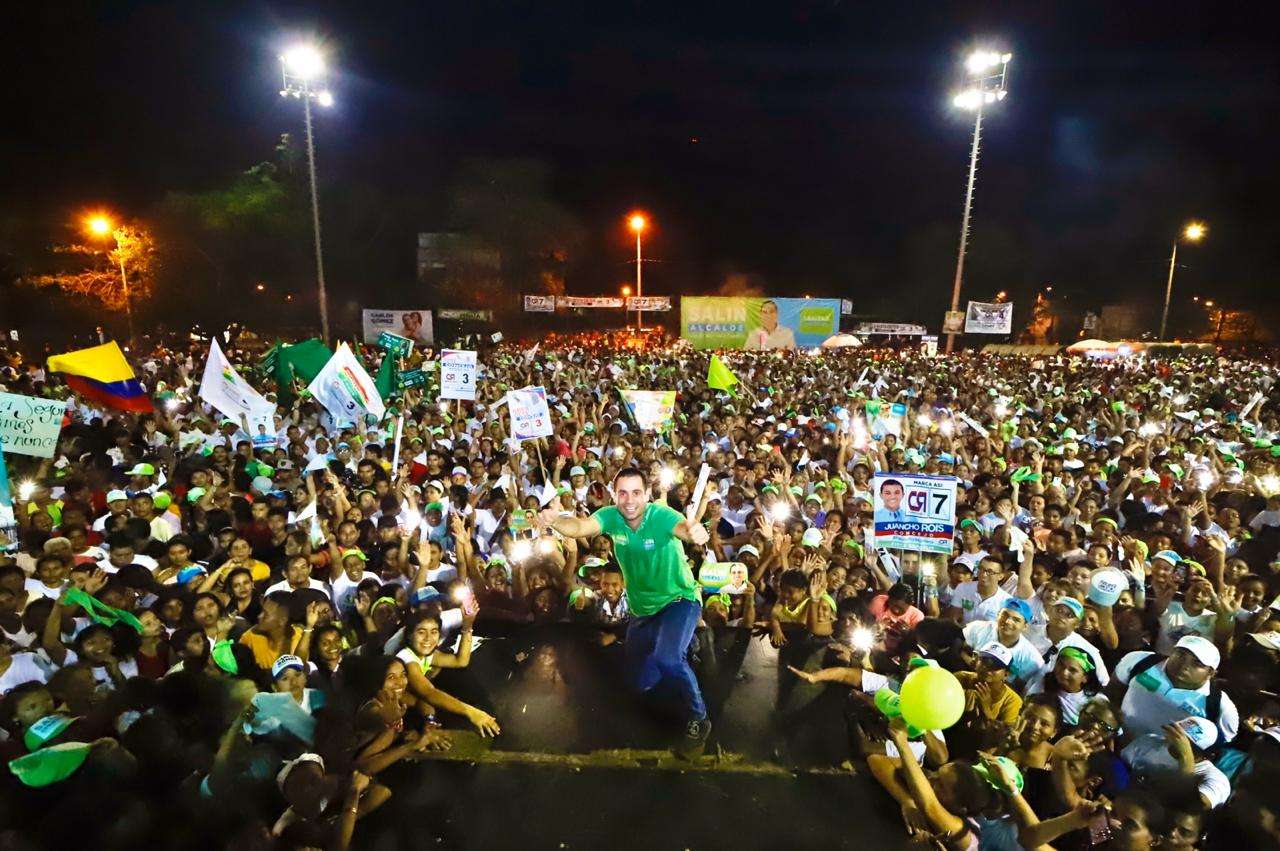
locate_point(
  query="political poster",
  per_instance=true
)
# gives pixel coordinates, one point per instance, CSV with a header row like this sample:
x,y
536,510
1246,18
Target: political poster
x,y
653,410
758,323
395,345
530,416
989,318
575,301
414,324
412,378
30,425
458,375
466,315
884,418
345,390
540,304
902,329
914,512
650,303
233,397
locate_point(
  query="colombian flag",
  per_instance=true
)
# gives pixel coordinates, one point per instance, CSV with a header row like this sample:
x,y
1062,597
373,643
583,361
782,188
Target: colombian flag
x,y
101,374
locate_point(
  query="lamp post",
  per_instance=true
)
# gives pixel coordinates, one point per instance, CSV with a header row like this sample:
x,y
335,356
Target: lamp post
x,y
1193,232
303,72
101,227
985,73
638,223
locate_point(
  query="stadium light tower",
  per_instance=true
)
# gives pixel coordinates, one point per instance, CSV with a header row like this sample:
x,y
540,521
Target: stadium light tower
x,y
304,69
985,75
637,222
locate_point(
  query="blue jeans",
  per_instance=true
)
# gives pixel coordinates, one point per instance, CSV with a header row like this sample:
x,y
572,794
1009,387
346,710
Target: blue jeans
x,y
657,649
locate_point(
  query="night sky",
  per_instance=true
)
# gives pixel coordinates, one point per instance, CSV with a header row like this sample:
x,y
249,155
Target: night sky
x,y
809,145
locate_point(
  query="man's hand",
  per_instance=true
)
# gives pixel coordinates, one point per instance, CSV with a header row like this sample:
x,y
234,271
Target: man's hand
x,y
698,534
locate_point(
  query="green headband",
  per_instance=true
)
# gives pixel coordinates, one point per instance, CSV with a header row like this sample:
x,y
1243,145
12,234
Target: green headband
x,y
1080,656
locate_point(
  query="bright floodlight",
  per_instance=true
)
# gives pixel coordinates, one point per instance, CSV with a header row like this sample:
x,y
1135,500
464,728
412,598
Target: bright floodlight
x,y
637,222
981,60
325,98
98,225
969,99
1194,231
303,62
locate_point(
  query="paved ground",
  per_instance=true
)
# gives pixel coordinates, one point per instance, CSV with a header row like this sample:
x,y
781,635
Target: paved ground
x,y
581,764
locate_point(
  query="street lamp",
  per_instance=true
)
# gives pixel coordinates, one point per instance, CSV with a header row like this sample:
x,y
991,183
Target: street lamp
x,y
985,73
304,68
637,222
1193,232
100,227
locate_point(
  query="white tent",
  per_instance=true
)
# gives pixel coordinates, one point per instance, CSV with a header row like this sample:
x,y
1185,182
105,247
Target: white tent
x,y
841,341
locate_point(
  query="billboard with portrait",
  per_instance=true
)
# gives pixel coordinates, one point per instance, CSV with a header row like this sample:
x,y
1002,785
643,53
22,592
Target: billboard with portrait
x,y
414,324
758,323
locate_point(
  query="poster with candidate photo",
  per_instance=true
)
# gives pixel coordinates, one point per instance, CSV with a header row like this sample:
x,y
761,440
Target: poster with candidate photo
x,y
414,324
914,512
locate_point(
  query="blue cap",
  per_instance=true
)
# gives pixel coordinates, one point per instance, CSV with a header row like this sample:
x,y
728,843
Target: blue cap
x,y
1169,556
425,594
188,573
1019,606
1076,607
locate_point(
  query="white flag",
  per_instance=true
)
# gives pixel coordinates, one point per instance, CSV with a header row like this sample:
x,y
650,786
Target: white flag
x,y
345,389
229,394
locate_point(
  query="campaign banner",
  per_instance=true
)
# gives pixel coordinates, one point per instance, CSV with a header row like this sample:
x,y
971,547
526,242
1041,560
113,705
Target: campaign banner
x,y
414,324
758,323
30,425
233,397
395,345
574,301
989,318
914,512
540,304
650,303
346,390
530,416
458,375
466,315
891,328
653,410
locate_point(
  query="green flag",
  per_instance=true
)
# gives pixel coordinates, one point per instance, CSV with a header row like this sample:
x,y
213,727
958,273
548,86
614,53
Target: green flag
x,y
302,360
387,380
720,377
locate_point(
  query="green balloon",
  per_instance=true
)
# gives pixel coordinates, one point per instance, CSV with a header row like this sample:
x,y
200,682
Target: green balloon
x,y
931,698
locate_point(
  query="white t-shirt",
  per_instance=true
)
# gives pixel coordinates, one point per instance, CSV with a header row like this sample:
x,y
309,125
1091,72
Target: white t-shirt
x,y
344,590
146,561
1151,701
1078,641
23,669
1175,623
973,607
1150,753
283,585
1069,703
1027,660
128,669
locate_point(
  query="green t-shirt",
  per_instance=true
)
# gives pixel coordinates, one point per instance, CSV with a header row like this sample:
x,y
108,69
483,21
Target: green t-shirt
x,y
652,559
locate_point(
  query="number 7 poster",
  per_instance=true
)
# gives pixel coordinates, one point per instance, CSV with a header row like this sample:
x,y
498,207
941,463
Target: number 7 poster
x,y
914,512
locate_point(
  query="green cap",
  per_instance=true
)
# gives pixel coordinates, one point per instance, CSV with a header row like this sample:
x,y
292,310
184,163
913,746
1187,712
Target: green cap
x,y
45,730
50,765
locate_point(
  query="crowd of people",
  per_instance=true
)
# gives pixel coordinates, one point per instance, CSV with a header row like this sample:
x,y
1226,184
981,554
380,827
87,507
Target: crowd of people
x,y
254,626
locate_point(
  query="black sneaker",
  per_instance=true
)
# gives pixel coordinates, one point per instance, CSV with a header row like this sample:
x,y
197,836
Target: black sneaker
x,y
694,740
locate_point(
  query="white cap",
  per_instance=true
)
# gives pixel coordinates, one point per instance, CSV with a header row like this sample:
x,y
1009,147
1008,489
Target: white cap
x,y
1202,732
748,548
812,537
116,495
998,652
1202,648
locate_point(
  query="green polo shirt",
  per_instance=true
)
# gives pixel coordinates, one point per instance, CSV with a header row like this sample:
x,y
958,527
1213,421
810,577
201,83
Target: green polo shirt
x,y
651,557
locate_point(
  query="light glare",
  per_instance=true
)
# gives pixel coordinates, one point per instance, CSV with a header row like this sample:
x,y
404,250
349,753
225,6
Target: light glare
x,y
303,62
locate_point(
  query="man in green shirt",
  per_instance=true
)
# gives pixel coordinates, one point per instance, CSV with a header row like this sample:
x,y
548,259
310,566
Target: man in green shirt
x,y
661,591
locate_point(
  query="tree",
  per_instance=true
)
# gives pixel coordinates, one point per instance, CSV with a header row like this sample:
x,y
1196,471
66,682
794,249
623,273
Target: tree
x,y
134,257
